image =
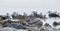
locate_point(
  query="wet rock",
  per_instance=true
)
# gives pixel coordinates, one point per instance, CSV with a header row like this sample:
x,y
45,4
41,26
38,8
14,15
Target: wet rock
x,y
1,26
39,24
55,23
46,24
21,30
58,29
1,18
6,23
48,28
33,29
12,29
53,15
35,22
17,26
7,29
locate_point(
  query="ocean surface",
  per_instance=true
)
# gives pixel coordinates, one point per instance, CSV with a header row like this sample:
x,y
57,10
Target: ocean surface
x,y
3,11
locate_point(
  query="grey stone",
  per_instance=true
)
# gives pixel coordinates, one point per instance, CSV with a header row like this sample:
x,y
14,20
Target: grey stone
x,y
17,26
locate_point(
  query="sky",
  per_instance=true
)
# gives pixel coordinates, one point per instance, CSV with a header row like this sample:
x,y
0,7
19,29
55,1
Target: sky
x,y
9,6
30,3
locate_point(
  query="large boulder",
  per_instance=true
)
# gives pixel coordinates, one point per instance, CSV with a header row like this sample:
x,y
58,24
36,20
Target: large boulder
x,y
7,29
12,29
17,26
53,15
55,23
35,22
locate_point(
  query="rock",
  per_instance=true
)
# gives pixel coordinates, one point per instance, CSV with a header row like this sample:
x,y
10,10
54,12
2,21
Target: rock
x,y
1,18
48,28
7,29
17,26
21,30
1,26
59,29
55,23
46,24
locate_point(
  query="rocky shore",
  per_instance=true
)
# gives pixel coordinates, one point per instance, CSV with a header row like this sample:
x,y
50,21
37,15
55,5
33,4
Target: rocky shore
x,y
35,22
